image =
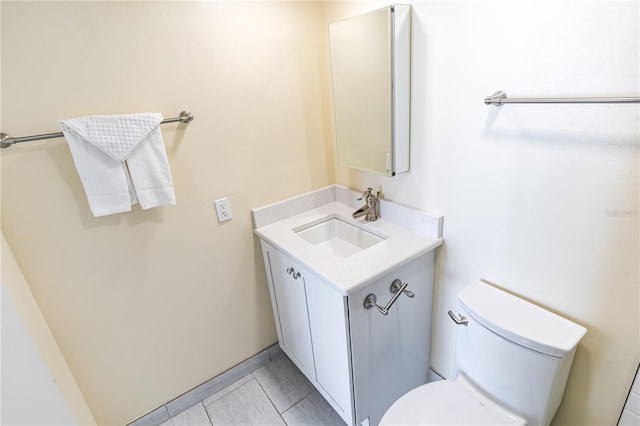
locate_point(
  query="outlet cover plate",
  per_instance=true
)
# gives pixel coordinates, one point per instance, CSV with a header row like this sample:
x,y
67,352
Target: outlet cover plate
x,y
223,209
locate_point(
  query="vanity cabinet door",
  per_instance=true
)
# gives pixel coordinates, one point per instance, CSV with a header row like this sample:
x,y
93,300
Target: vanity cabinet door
x,y
289,300
330,337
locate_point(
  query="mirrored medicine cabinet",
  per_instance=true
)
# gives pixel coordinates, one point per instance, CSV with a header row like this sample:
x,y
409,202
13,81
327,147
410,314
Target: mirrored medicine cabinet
x,y
371,71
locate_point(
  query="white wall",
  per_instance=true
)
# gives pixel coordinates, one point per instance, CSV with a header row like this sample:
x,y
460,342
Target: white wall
x,y
539,199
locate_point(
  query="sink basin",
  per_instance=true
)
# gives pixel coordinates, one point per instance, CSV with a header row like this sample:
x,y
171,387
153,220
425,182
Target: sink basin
x,y
337,236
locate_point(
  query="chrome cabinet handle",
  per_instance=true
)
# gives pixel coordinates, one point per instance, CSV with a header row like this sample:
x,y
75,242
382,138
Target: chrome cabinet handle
x,y
460,321
293,272
371,299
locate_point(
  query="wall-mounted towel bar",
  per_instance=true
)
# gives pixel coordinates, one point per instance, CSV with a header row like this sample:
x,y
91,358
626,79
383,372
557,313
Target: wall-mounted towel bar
x,y
6,140
499,98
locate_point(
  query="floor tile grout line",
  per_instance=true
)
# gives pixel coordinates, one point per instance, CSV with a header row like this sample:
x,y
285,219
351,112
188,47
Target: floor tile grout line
x,y
269,398
207,413
244,384
225,395
231,391
296,404
271,401
289,407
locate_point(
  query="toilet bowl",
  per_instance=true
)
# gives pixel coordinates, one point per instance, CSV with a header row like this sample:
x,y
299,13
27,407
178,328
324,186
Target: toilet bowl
x,y
448,403
512,363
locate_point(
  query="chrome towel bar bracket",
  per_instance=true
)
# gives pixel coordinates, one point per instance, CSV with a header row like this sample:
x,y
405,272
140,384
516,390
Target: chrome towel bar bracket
x,y
397,288
6,141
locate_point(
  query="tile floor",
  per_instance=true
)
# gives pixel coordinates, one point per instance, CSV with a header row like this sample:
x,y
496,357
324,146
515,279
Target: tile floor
x,y
275,394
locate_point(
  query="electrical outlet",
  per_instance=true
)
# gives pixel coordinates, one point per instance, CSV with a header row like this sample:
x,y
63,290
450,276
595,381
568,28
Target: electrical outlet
x,y
223,209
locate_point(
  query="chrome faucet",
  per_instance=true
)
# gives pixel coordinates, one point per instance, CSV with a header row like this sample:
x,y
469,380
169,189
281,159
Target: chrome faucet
x,y
370,208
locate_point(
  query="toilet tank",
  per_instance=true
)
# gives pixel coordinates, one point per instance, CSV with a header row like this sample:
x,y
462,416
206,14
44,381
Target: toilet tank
x,y
515,352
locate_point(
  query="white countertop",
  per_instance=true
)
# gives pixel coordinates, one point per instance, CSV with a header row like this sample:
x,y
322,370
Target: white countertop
x,y
350,274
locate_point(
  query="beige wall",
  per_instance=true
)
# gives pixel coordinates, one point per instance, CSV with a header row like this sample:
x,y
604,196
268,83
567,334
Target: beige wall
x,y
147,304
540,199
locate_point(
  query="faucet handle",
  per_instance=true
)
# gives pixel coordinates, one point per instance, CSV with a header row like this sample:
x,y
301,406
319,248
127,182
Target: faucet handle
x,y
365,194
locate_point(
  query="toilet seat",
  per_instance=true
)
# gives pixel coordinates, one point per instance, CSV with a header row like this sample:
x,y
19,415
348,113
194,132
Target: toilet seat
x,y
448,403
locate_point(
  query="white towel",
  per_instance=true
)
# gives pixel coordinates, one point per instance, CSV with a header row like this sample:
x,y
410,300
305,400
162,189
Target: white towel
x,y
121,160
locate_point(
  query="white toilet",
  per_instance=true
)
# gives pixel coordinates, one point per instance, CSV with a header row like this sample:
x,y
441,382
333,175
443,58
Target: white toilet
x,y
512,363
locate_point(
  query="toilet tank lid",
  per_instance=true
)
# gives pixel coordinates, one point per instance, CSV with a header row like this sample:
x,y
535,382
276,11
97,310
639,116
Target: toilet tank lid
x,y
520,321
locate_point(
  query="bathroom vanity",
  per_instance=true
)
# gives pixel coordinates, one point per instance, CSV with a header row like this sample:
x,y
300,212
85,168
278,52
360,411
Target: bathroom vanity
x,y
323,267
